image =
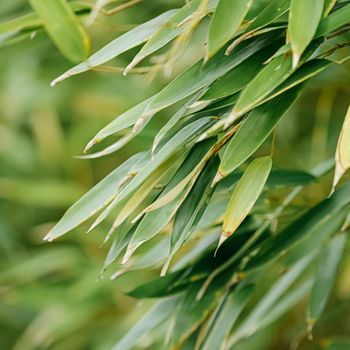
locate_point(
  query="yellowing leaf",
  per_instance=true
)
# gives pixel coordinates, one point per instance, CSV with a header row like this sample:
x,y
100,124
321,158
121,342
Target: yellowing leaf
x,y
342,154
245,194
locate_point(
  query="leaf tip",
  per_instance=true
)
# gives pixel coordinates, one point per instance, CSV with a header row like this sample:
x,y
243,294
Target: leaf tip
x,y
218,177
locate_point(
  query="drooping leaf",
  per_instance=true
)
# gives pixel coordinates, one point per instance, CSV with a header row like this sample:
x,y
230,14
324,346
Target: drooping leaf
x,y
64,28
256,128
199,76
94,200
251,323
245,194
342,155
223,26
119,45
175,26
154,221
325,277
153,318
304,17
227,315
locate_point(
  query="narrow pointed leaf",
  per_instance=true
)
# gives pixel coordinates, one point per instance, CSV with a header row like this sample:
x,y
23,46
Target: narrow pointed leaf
x,y
119,45
64,28
304,17
325,277
257,315
167,33
256,128
228,314
227,18
245,194
94,200
153,318
342,155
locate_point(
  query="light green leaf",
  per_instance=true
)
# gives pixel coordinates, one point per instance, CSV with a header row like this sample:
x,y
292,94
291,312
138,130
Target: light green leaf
x,y
328,6
245,194
199,76
336,343
226,20
64,28
256,317
342,154
174,28
272,75
153,318
227,315
238,77
94,200
304,17
154,221
119,45
254,131
333,21
325,277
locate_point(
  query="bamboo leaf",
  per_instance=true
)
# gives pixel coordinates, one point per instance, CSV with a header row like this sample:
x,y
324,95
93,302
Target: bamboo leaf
x,y
227,316
94,200
199,76
154,221
245,194
342,154
257,127
153,318
119,45
304,18
174,28
226,20
64,28
336,343
256,317
325,276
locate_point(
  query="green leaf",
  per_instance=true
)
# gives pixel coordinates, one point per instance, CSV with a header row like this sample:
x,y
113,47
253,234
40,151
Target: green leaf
x,y
94,200
255,128
328,6
272,75
325,277
153,318
304,18
193,312
192,209
154,221
256,317
319,222
199,76
245,194
228,314
119,45
64,28
334,20
342,155
238,77
226,20
173,29
336,343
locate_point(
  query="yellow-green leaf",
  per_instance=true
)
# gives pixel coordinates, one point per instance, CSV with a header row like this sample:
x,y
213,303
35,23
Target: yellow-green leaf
x,y
245,194
342,154
64,28
304,17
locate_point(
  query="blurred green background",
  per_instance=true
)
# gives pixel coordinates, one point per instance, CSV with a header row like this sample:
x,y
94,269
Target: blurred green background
x,y
51,296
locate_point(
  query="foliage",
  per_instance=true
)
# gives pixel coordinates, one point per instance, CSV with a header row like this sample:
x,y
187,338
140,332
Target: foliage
x,y
209,172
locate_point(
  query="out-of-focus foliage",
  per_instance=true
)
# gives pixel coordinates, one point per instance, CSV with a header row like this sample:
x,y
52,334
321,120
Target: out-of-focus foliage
x,y
282,277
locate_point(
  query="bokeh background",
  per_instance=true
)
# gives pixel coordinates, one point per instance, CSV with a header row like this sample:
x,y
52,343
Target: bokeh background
x,y
51,296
